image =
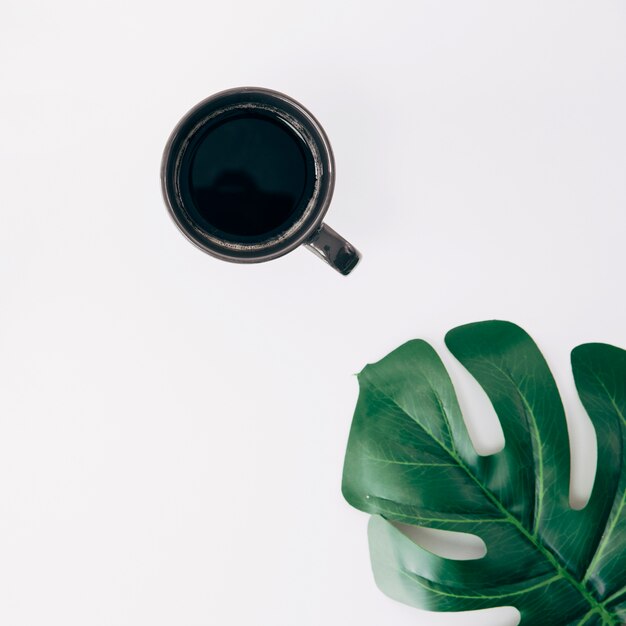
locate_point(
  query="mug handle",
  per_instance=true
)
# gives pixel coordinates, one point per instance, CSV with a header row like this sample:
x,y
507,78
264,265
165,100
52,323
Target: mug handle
x,y
334,249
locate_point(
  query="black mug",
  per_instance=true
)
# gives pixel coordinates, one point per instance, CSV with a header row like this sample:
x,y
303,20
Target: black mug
x,y
248,175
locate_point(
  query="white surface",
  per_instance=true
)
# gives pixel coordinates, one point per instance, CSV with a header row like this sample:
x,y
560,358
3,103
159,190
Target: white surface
x,y
172,428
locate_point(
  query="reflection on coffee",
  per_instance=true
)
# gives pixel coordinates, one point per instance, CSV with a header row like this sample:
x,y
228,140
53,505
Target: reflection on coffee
x,y
251,176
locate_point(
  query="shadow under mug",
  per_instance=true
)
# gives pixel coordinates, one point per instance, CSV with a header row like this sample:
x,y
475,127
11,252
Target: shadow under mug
x,y
248,175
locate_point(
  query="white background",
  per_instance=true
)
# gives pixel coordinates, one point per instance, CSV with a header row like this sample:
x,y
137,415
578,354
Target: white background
x,y
172,427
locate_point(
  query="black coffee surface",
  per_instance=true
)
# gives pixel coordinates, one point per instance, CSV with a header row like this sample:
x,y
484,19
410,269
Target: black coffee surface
x,y
250,177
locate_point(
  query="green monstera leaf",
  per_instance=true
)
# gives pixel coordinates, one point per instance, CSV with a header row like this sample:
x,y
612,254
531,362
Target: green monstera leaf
x,y
410,459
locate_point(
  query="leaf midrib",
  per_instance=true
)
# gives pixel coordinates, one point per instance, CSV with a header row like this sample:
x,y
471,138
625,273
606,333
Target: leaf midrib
x,y
537,445
534,540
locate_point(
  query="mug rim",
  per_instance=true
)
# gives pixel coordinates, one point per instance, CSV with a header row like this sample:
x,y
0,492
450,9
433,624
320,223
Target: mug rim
x,y
288,110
